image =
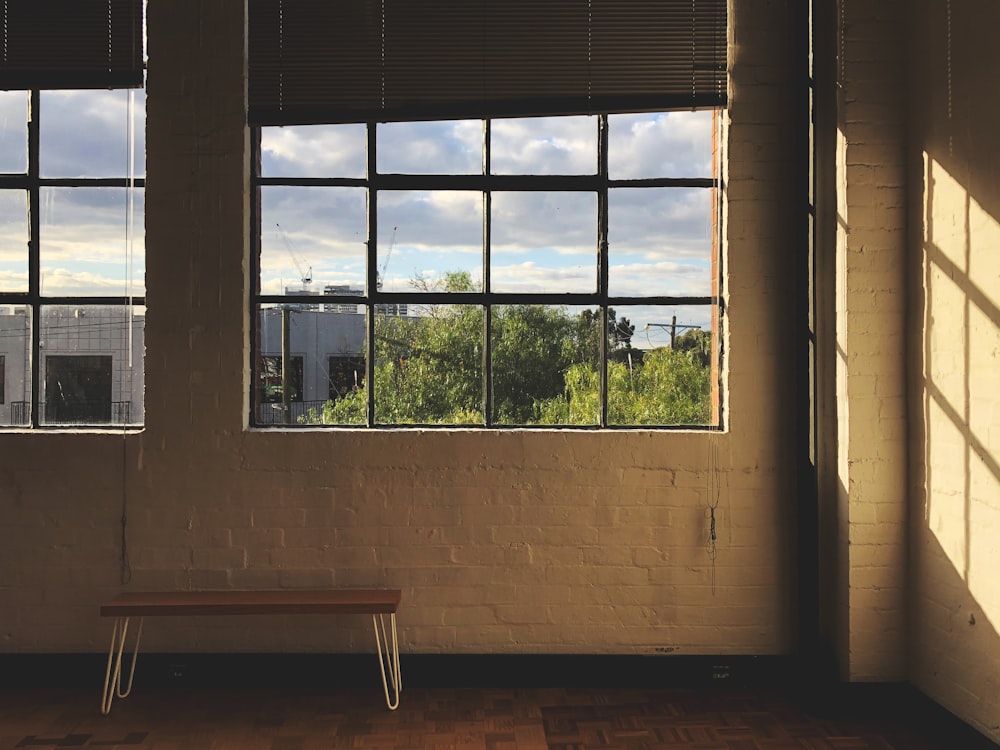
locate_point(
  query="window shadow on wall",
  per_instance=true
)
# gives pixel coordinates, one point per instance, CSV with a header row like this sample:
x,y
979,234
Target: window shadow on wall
x,y
955,417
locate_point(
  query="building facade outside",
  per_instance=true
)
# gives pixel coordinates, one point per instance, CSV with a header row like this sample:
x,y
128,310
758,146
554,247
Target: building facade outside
x,y
91,368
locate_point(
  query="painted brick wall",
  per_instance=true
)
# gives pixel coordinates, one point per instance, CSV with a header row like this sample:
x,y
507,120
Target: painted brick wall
x,y
573,542
870,362
955,360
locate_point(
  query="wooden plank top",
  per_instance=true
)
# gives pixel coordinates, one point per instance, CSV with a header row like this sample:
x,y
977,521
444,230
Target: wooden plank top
x,y
234,602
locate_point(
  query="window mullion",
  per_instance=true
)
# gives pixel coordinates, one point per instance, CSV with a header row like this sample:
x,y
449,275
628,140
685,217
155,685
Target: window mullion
x,y
487,309
34,259
371,271
602,260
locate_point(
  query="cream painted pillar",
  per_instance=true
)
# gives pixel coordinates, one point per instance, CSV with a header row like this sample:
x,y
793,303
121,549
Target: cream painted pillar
x,y
870,342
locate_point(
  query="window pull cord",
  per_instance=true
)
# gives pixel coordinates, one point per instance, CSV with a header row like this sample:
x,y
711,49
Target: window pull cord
x,y
125,564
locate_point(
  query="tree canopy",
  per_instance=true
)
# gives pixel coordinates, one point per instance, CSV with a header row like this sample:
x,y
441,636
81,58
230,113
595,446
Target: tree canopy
x,y
545,369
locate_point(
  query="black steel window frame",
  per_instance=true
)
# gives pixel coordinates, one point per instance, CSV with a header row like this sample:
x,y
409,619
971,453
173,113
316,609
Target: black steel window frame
x,y
599,183
32,182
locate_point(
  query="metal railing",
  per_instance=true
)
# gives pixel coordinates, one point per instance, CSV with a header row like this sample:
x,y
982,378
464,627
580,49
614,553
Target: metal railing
x,y
114,412
274,413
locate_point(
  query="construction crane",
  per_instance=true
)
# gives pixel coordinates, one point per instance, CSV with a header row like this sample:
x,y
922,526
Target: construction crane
x,y
385,262
305,276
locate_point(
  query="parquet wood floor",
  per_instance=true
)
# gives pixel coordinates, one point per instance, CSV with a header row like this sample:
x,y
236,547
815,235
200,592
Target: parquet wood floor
x,y
437,719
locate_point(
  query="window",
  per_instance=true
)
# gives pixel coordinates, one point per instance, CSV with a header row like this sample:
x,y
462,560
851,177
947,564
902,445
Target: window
x,y
514,272
3,378
72,259
506,212
71,207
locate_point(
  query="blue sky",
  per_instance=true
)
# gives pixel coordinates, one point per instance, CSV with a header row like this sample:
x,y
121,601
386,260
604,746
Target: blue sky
x,y
83,239
660,239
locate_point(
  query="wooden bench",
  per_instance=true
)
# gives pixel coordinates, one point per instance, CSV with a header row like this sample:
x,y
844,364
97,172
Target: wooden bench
x,y
375,602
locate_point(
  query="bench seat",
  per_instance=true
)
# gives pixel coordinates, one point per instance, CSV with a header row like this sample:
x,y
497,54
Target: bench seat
x,y
378,603
230,602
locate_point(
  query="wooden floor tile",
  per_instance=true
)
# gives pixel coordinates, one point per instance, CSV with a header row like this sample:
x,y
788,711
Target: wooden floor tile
x,y
450,719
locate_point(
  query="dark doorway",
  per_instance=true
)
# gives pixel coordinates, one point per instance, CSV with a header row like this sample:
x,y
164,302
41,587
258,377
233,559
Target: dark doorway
x,y
78,389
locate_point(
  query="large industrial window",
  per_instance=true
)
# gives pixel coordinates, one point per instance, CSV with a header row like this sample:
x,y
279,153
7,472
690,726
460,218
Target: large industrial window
x,y
72,257
72,119
507,213
505,272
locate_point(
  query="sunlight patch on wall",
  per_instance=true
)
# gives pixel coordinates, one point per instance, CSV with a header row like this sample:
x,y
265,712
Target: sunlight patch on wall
x,y
984,266
945,211
962,381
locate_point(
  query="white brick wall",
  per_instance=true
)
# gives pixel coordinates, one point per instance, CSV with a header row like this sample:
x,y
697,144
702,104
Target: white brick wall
x,y
573,542
871,339
955,351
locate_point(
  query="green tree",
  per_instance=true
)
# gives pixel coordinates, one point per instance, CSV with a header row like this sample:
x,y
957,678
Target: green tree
x,y
698,343
429,369
669,387
534,346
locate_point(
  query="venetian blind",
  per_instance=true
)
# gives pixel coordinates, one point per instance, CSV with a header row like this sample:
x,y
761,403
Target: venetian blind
x,y
324,61
71,44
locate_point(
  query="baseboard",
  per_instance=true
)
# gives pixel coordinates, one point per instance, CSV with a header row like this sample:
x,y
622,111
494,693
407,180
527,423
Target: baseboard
x,y
419,670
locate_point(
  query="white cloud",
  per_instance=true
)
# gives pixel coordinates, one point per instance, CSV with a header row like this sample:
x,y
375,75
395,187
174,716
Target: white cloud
x,y
544,145
529,277
669,144
14,281
449,147
85,133
313,151
665,278
58,281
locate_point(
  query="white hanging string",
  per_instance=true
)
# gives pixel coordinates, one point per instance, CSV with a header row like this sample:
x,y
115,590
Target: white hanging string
x,y
130,223
127,380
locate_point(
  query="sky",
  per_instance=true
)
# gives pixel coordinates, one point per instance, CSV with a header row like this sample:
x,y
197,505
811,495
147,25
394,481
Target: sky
x,y
92,239
659,238
86,232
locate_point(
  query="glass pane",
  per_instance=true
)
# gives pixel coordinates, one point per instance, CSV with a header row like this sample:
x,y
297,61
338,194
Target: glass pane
x,y
313,151
13,241
660,242
13,132
15,361
666,144
428,367
86,248
91,365
430,240
323,346
544,145
661,365
86,133
312,240
442,147
543,242
544,365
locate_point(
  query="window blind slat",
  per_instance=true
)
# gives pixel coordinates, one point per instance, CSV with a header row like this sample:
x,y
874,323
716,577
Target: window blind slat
x,y
71,44
384,60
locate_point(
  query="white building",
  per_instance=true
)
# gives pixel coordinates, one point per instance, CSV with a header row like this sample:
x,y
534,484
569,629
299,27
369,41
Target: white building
x,y
326,353
91,368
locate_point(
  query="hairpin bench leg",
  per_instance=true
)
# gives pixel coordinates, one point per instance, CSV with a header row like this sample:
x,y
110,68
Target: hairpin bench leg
x,y
113,678
388,657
